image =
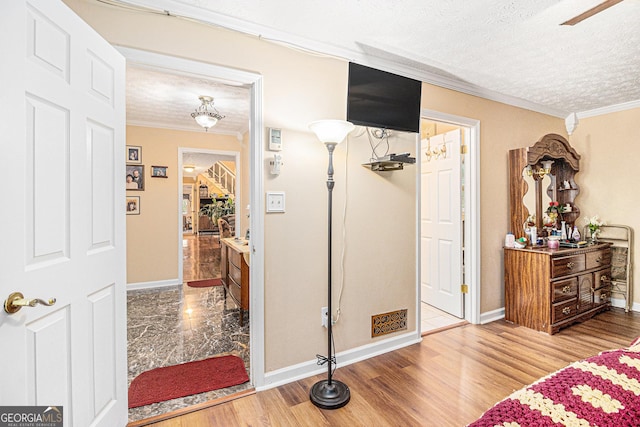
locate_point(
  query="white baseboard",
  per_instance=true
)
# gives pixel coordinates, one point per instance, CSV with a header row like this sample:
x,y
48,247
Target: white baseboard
x,y
619,302
492,316
309,368
151,285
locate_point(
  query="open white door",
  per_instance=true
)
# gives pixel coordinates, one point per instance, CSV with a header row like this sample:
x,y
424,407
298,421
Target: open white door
x,y
441,225
62,224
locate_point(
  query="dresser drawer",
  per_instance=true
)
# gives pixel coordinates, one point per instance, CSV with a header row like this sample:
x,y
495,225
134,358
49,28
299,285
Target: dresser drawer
x,y
234,258
567,265
235,274
602,295
597,259
564,310
602,278
236,292
565,289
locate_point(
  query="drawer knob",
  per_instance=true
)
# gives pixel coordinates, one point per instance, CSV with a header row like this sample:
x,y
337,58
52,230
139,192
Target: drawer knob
x,y
598,259
566,289
603,297
566,310
604,278
571,264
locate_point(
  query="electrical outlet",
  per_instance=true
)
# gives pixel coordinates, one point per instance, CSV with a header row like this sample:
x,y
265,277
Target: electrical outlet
x,y
324,315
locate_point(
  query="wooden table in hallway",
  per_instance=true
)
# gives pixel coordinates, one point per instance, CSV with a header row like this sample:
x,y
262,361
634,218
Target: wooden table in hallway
x,y
234,269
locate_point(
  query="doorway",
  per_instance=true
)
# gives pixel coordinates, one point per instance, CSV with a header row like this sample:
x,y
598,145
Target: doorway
x,y
207,178
252,140
448,222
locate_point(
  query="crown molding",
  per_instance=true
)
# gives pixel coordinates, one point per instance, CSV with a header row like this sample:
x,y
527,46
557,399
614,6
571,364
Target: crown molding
x,y
169,126
415,69
610,109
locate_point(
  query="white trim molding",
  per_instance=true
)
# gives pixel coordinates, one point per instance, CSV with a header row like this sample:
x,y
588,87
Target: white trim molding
x,y
610,109
472,214
153,285
192,67
492,316
310,368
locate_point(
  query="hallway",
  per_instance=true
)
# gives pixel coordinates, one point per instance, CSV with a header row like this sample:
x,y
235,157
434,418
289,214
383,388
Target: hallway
x,y
177,324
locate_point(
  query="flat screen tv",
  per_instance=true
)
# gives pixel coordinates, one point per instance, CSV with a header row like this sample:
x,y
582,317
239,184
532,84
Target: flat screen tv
x,y
380,99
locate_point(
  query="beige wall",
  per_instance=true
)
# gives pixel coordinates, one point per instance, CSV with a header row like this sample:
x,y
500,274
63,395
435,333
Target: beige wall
x,y
610,151
152,236
380,219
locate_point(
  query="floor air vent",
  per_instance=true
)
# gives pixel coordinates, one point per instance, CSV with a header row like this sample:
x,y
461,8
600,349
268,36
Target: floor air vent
x,y
387,323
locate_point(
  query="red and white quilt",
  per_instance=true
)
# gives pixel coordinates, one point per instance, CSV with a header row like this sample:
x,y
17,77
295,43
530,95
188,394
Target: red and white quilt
x,y
603,390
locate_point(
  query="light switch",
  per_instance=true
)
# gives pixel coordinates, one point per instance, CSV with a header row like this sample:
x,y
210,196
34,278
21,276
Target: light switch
x,y
275,201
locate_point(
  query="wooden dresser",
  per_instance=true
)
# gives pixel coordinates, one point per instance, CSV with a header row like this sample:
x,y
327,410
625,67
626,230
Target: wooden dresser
x,y
234,272
549,289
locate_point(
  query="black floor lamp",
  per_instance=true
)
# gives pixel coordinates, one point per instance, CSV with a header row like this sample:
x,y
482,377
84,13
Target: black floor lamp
x,y
329,393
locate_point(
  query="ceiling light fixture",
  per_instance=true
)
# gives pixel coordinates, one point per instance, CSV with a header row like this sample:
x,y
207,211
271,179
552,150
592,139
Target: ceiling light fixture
x,y
206,115
189,168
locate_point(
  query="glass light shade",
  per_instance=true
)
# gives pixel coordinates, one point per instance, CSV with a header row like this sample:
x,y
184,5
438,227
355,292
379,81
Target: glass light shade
x,y
189,168
331,131
205,120
546,164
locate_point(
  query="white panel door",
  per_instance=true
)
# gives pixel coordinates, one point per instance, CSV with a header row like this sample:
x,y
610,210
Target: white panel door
x,y
441,225
62,219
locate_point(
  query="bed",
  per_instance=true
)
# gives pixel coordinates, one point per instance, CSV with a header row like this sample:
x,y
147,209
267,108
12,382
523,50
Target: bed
x,y
603,390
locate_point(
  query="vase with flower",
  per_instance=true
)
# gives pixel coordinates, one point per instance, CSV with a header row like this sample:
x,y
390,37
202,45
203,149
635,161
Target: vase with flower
x,y
594,223
554,211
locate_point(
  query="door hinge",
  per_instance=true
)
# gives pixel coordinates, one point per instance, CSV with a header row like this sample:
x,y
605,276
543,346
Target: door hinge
x,y
464,149
464,288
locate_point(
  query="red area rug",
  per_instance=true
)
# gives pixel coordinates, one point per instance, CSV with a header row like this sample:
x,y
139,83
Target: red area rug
x,y
205,283
171,382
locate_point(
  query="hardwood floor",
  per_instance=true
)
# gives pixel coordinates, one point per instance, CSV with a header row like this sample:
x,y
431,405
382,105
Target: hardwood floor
x,y
449,379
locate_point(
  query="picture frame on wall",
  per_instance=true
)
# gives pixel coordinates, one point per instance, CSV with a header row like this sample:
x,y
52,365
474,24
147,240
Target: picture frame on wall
x,y
135,178
159,171
134,154
133,205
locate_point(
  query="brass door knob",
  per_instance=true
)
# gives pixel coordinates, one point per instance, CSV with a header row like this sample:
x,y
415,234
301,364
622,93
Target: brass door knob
x,y
16,301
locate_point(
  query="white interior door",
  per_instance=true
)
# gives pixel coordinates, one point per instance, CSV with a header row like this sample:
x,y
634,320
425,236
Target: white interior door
x,y
62,223
441,224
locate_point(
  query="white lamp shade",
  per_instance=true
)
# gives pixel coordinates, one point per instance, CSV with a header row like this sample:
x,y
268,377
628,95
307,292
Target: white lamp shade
x,y
206,121
331,131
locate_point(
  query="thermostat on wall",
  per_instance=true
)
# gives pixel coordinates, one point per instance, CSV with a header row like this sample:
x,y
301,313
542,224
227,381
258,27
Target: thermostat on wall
x,y
275,139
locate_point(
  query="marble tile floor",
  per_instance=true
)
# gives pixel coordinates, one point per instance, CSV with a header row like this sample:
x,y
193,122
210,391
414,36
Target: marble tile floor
x,y
178,324
434,320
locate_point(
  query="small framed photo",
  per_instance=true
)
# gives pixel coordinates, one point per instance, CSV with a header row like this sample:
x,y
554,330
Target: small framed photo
x,y
133,205
159,171
134,154
135,178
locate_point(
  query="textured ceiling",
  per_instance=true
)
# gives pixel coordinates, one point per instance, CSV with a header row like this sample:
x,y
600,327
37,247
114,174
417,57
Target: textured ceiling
x,y
158,99
506,50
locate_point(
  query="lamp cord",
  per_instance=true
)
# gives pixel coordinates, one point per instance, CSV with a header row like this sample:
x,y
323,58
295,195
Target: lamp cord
x,y
383,136
344,231
323,360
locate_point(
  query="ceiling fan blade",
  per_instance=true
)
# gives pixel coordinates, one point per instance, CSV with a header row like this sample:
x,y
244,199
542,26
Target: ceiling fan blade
x,y
589,13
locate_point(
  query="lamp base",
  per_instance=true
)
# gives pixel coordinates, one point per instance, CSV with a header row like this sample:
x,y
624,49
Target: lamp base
x,y
332,396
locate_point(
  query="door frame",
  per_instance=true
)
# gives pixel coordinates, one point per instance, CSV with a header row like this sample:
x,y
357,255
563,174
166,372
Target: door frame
x,y
181,151
256,185
472,257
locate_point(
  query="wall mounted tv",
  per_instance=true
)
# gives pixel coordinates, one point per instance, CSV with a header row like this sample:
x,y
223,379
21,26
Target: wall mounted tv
x,y
380,99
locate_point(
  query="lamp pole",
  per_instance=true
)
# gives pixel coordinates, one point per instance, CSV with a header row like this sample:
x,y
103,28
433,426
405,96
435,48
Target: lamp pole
x,y
329,394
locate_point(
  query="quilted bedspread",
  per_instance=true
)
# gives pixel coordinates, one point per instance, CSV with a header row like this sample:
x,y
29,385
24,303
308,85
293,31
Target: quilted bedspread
x,y
603,390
